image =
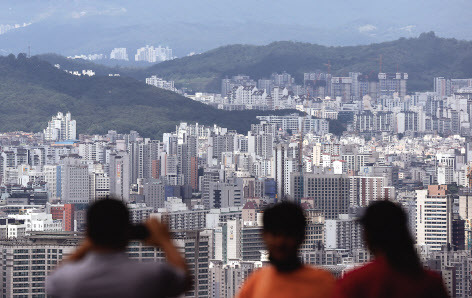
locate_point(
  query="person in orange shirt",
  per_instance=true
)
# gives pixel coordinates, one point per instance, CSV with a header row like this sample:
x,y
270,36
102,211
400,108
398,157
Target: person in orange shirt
x,y
286,276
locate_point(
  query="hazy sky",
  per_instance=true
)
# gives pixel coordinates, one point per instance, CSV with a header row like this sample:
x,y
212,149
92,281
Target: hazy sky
x,y
336,22
449,16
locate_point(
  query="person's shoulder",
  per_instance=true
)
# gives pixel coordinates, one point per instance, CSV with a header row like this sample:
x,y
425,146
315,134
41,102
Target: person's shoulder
x,y
361,272
61,278
65,269
248,286
433,276
262,271
317,273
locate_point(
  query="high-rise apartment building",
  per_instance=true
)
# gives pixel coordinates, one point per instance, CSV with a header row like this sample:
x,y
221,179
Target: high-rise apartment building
x,y
227,85
99,184
434,217
27,262
341,87
392,83
465,212
197,251
65,213
442,87
152,54
61,128
285,162
317,84
227,278
457,84
209,175
119,54
120,175
226,194
160,83
52,177
154,193
329,192
455,268
139,212
364,189
343,233
296,123
75,181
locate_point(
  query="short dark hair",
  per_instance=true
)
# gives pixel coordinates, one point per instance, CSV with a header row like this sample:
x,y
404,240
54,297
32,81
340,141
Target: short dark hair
x,y
108,223
285,218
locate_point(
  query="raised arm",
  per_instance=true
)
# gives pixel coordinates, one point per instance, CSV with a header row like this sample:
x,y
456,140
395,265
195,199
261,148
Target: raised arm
x,y
160,237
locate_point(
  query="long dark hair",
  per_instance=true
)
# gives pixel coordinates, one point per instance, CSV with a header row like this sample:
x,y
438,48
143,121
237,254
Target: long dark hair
x,y
386,232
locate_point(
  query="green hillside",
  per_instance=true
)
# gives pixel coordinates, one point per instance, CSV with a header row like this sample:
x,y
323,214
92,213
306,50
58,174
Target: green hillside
x,y
31,91
423,58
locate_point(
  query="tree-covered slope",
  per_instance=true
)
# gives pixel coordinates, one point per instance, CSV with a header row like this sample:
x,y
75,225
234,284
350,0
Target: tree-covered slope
x,y
422,58
31,91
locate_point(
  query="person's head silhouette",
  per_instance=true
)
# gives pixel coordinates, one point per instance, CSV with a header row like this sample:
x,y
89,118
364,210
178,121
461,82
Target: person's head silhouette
x,y
386,234
283,233
108,224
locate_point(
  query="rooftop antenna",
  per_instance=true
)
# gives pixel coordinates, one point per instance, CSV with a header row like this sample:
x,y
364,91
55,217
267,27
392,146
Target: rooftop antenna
x,y
469,236
380,63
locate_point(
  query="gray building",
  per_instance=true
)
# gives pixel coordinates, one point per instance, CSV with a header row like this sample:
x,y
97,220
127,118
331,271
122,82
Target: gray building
x,y
226,194
251,243
154,193
209,175
343,233
329,191
27,262
120,175
294,122
185,220
455,268
75,181
227,279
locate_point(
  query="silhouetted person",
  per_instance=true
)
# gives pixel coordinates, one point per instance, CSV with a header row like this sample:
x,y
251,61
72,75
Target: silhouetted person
x,y
101,268
396,270
286,276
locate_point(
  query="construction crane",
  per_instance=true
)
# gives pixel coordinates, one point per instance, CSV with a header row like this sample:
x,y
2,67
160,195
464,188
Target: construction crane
x,y
379,59
300,160
469,176
468,223
380,63
329,66
300,149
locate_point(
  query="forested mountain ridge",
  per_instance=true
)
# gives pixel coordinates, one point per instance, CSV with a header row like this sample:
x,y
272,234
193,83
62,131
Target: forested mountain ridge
x,y
32,90
423,58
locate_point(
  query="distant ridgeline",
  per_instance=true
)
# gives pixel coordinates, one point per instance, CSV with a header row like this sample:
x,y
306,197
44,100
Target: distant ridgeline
x,y
423,58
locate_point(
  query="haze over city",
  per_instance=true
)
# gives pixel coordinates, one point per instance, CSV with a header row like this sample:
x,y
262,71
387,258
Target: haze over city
x,y
235,148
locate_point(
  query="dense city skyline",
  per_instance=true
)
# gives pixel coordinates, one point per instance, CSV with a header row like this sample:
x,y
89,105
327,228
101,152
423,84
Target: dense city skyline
x,y
218,118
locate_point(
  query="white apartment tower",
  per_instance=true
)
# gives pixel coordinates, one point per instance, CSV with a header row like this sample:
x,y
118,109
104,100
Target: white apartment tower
x,y
51,178
433,217
119,54
152,54
61,128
